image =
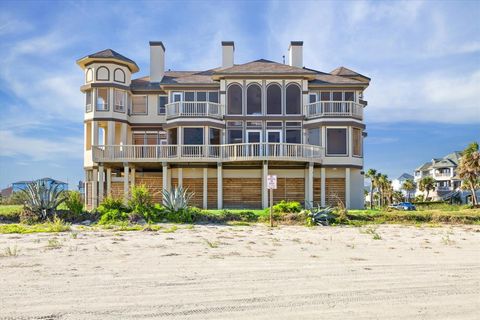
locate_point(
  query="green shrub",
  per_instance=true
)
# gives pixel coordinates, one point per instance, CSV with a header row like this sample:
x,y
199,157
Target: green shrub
x,y
287,207
112,216
109,203
10,213
74,202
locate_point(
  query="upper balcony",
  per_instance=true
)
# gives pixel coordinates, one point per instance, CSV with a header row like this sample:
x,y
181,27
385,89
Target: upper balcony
x,y
208,153
202,109
333,109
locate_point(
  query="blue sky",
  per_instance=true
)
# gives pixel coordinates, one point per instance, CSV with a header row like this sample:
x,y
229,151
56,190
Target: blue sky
x,y
423,58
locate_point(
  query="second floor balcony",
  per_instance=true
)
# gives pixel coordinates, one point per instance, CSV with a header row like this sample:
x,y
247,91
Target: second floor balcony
x,y
197,109
333,109
208,153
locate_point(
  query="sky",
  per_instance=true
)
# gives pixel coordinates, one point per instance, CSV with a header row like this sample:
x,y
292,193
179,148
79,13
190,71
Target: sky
x,y
423,58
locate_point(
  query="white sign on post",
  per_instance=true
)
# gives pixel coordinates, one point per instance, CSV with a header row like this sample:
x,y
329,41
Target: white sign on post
x,y
271,182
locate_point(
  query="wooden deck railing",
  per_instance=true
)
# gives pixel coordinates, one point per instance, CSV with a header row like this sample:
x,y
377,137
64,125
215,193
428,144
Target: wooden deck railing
x,y
333,109
194,109
212,153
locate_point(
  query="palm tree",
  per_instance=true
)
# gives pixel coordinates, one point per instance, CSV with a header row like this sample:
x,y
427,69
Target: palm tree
x,y
382,185
469,169
409,186
426,184
371,173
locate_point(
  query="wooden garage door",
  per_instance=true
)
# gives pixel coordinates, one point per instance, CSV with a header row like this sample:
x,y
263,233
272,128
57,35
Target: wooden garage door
x,y
212,193
117,190
317,189
289,189
194,185
154,184
335,190
242,193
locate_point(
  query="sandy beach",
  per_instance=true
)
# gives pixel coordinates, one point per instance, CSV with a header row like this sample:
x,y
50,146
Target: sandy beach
x,y
243,272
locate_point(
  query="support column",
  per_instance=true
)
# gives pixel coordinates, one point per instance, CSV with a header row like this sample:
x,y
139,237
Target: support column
x,y
123,134
109,182
110,133
347,188
94,188
180,176
205,188
264,185
164,178
219,186
132,177
322,187
94,134
125,182
310,183
101,183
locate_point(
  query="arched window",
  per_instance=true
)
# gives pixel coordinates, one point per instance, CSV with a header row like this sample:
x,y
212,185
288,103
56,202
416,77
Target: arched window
x,y
234,99
103,74
293,98
119,75
274,99
254,99
89,75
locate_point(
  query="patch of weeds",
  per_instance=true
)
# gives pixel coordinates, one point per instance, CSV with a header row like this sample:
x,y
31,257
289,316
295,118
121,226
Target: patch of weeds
x,y
54,226
372,231
11,251
211,244
238,223
74,235
54,243
152,227
447,241
172,229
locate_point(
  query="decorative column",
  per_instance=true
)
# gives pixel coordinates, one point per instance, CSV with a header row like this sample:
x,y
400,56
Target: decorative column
x,y
347,188
132,176
219,186
109,182
310,183
322,186
123,134
94,134
125,181
205,188
264,185
110,133
94,188
180,176
164,178
100,183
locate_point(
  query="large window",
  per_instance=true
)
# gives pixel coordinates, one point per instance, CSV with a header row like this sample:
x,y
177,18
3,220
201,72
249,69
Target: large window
x,y
139,104
189,96
293,132
162,101
103,74
214,136
293,98
234,99
357,142
120,100
213,96
254,100
101,102
88,101
313,136
235,136
274,99
119,75
192,136
336,141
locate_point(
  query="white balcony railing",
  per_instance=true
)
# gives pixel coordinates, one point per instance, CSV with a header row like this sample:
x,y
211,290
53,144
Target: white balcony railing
x,y
194,109
214,153
442,174
333,109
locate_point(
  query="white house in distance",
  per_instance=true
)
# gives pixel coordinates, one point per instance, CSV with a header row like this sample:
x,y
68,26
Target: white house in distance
x,y
220,131
398,183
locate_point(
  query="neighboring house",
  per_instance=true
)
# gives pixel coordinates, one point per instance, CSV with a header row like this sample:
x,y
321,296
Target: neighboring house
x,y
7,192
22,185
398,183
443,170
219,132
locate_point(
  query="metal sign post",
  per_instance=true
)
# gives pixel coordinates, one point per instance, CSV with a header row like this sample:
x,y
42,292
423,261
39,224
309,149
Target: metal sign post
x,y
271,184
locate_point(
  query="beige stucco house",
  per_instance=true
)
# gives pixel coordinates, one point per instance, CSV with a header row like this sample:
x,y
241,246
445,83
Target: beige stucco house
x,y
221,131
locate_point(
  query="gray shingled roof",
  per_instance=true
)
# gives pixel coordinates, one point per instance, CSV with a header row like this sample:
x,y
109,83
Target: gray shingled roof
x,y
345,72
109,54
262,66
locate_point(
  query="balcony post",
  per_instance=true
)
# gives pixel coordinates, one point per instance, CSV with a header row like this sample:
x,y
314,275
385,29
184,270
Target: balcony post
x,y
125,182
310,182
94,188
109,182
180,176
219,186
347,188
264,185
110,133
132,177
101,184
94,134
322,186
123,134
164,178
205,188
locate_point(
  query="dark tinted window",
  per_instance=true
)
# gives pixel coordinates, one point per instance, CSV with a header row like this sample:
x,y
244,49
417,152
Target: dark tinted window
x,y
254,99
189,96
234,136
337,96
234,99
214,136
213,96
349,96
201,96
274,99
192,136
293,136
336,141
162,101
293,99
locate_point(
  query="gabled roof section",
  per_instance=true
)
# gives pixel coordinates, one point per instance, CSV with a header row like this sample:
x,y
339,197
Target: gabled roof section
x,y
405,176
323,78
424,167
108,55
263,67
348,73
173,78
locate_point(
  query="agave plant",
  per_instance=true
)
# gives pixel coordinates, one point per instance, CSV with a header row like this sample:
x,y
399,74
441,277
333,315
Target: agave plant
x,y
177,199
42,199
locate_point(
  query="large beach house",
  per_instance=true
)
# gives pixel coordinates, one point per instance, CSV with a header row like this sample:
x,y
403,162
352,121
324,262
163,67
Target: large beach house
x,y
221,131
